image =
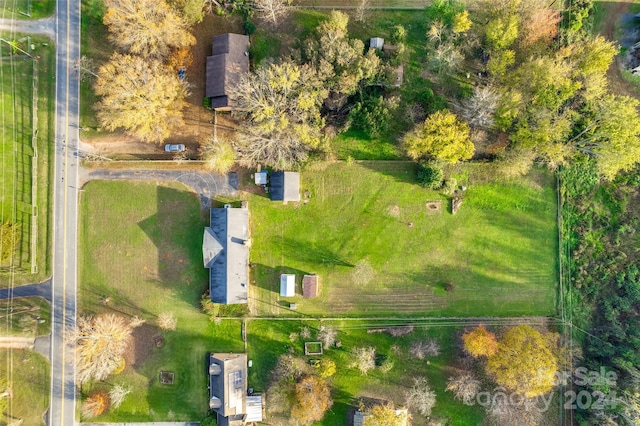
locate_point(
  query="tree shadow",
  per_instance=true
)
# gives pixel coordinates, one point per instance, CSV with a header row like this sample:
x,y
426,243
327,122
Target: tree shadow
x,y
303,251
176,230
400,170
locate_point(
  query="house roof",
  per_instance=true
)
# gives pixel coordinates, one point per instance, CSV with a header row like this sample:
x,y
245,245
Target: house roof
x,y
287,285
227,254
254,408
310,286
229,61
376,43
260,178
285,186
228,385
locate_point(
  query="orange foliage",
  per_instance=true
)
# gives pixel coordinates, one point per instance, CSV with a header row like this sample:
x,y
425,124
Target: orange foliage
x,y
95,404
541,26
480,342
312,400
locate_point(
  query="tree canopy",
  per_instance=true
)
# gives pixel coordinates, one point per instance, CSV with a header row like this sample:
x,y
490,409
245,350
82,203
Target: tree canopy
x,y
442,136
139,95
480,342
386,414
524,363
312,399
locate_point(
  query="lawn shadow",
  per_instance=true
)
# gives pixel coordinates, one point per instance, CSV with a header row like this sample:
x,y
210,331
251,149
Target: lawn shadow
x,y
400,170
269,277
176,230
302,251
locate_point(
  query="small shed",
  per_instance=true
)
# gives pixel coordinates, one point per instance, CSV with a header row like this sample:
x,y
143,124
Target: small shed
x,y
310,286
376,43
254,408
285,186
260,178
287,285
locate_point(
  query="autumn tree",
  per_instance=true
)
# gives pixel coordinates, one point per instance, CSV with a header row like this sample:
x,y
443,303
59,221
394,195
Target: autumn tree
x,y
94,405
363,358
273,11
191,10
464,387
442,136
386,414
149,28
281,105
312,399
218,155
326,368
118,393
420,397
100,343
141,96
524,362
480,342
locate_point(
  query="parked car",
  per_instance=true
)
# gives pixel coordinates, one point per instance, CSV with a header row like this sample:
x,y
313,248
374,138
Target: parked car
x,y
174,147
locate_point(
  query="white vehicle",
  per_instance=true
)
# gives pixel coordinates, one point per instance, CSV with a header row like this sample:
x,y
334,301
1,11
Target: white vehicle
x,y
174,147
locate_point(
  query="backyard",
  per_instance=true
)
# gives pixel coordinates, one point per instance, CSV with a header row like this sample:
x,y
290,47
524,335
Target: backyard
x,y
25,161
498,252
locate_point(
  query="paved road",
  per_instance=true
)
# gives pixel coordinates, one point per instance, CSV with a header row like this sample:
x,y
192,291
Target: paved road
x,y
206,185
65,214
41,290
46,26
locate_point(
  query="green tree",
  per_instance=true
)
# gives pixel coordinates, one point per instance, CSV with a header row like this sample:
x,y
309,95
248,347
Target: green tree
x,y
594,55
140,95
501,32
191,10
524,363
149,28
442,136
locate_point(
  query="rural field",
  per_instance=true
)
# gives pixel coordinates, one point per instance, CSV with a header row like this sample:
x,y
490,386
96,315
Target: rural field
x,y
27,9
25,168
151,264
27,372
498,251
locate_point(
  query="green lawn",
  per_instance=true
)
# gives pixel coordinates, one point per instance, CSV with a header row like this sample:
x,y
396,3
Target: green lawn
x,y
498,251
25,316
267,340
140,244
27,374
27,9
19,156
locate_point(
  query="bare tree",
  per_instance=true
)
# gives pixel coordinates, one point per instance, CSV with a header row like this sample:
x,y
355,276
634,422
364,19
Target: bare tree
x,y
420,397
118,393
136,321
167,321
272,10
327,335
364,359
363,10
100,343
305,333
421,348
464,386
479,109
362,273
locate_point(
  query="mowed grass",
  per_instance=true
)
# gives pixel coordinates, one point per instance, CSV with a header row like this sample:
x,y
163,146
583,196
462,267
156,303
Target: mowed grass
x,y
267,340
27,9
498,251
17,158
141,246
25,316
27,374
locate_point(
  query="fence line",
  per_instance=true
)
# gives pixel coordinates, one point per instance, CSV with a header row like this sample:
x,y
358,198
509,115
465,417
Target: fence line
x,y
34,172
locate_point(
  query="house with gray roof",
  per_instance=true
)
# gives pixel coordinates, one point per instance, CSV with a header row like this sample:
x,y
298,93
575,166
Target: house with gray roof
x,y
228,63
225,252
285,186
228,387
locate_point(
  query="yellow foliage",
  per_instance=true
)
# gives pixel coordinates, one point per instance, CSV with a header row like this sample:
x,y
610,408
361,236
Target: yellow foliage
x,y
387,415
442,136
480,342
312,400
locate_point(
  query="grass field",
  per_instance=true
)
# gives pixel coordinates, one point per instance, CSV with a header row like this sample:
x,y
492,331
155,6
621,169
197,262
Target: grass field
x,y
498,251
27,373
27,9
25,316
18,157
142,247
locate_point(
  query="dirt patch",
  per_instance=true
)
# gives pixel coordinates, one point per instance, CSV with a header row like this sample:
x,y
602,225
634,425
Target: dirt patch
x,y
393,211
434,207
142,345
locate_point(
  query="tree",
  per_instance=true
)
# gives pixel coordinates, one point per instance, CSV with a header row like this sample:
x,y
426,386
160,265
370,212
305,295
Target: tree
x,y
281,104
362,10
9,237
363,358
326,368
191,10
461,22
420,348
539,27
430,174
95,404
501,32
327,335
464,387
312,399
524,363
218,155
167,320
480,342
118,393
386,414
146,27
420,397
479,109
100,343
612,135
442,136
272,10
142,96
362,272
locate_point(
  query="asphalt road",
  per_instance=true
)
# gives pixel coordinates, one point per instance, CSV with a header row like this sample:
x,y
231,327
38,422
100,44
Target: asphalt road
x,y
65,214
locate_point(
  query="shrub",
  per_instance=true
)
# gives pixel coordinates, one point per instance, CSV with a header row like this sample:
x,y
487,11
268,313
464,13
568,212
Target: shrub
x,y
398,34
449,186
249,27
326,368
430,175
